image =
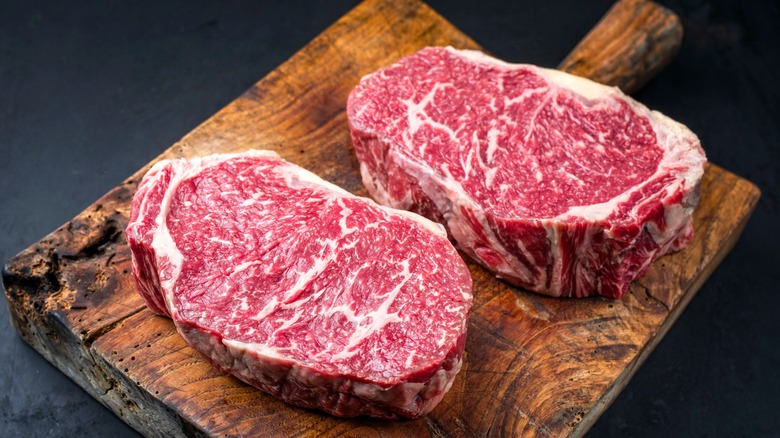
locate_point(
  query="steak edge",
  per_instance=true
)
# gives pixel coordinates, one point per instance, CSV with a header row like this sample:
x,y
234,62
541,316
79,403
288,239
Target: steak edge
x,y
553,182
318,297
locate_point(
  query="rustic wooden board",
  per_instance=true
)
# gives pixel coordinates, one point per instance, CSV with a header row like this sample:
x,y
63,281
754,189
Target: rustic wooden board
x,y
533,365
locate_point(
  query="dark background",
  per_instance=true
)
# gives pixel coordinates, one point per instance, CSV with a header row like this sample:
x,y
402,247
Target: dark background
x,y
91,91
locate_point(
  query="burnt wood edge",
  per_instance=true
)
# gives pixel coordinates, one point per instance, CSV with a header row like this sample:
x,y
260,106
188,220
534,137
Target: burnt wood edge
x,y
609,396
38,299
35,274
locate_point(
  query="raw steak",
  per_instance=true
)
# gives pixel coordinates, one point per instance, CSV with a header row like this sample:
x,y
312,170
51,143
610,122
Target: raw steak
x,y
318,297
555,183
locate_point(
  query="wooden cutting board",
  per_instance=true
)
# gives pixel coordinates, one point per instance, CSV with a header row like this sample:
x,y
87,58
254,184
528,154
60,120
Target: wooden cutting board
x,y
533,365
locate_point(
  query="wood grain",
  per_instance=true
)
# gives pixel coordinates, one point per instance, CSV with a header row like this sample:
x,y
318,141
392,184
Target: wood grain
x,y
630,45
533,365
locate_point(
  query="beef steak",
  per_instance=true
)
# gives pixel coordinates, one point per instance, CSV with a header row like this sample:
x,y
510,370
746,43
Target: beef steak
x,y
316,296
553,182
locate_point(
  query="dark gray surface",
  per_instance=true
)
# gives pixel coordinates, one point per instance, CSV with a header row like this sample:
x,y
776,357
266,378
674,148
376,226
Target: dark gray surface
x,y
91,91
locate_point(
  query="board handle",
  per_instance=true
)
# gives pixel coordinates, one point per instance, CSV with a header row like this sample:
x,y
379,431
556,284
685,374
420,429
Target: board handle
x,y
628,46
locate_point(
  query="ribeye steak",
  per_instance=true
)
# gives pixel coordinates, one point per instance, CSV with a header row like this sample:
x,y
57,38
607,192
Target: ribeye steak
x,y
316,296
555,183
